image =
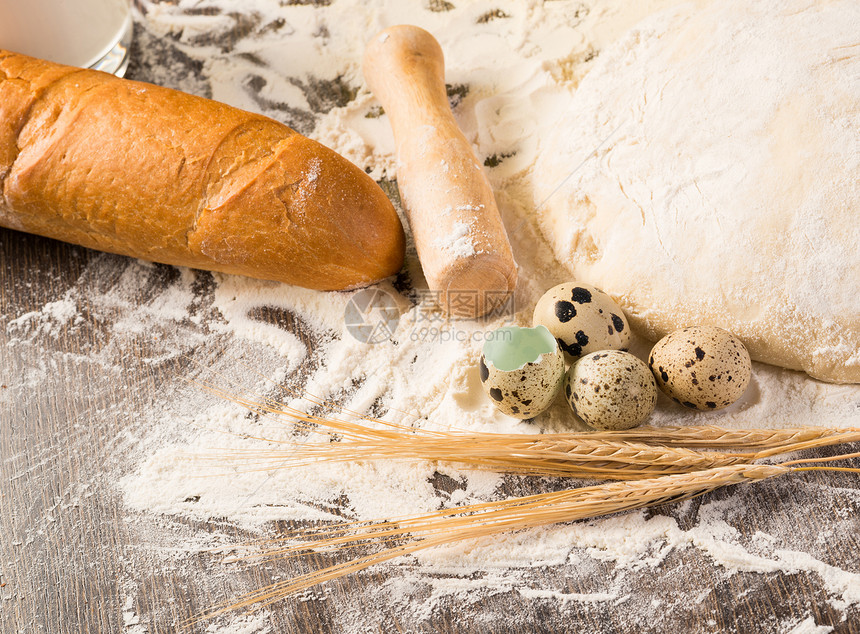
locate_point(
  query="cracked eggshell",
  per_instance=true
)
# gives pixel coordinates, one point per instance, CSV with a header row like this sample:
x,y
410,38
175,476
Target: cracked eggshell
x,y
610,389
702,367
583,319
521,370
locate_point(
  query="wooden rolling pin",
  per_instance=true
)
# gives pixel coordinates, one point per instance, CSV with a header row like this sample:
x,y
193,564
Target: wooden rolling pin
x,y
461,242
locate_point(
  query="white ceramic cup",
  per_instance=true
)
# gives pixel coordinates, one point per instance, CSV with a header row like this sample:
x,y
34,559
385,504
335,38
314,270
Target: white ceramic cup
x,y
86,33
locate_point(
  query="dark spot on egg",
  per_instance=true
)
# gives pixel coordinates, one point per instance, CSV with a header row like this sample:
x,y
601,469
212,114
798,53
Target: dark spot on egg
x,y
689,404
564,311
485,372
700,354
496,393
580,295
515,409
563,345
567,389
574,349
711,404
527,401
617,322
664,375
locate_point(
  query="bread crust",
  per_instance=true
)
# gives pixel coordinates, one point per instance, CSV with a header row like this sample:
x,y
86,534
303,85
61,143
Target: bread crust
x,y
153,173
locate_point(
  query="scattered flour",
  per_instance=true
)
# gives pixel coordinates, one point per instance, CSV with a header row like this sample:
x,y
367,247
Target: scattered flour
x,y
808,626
52,316
130,618
459,243
243,624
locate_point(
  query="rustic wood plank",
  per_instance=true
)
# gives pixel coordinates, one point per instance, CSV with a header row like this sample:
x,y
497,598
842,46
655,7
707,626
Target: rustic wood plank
x,y
74,559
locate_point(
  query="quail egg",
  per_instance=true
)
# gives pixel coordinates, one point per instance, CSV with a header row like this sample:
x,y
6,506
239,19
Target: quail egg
x,y
702,367
610,389
583,319
521,369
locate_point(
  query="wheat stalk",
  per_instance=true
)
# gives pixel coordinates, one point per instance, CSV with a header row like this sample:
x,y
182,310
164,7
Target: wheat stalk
x,y
638,453
482,520
524,455
693,437
712,437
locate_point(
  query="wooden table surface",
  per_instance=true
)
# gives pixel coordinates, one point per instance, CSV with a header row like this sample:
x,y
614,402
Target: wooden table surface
x,y
73,558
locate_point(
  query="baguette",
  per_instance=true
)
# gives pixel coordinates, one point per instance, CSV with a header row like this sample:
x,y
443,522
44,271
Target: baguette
x,y
153,173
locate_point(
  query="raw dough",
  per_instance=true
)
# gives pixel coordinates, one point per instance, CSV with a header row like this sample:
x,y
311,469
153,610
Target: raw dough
x,y
722,184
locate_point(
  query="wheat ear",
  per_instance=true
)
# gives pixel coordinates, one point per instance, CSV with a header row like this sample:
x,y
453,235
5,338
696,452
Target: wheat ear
x,y
602,455
524,455
767,442
482,520
693,437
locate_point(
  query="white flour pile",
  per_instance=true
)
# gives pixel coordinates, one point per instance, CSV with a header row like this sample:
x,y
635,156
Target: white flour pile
x,y
519,70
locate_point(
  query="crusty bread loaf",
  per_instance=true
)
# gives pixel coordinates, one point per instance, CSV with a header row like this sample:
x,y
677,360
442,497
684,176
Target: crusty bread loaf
x,y
153,173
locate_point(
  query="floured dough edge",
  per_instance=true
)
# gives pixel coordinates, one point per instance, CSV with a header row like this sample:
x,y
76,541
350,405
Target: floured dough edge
x,y
825,346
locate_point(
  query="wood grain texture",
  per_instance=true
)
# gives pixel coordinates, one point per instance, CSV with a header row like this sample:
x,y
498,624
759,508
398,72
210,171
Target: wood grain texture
x,y
75,402
73,559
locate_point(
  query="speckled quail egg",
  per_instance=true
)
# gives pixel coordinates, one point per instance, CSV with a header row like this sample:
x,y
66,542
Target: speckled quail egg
x,y
702,367
583,319
521,369
610,389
